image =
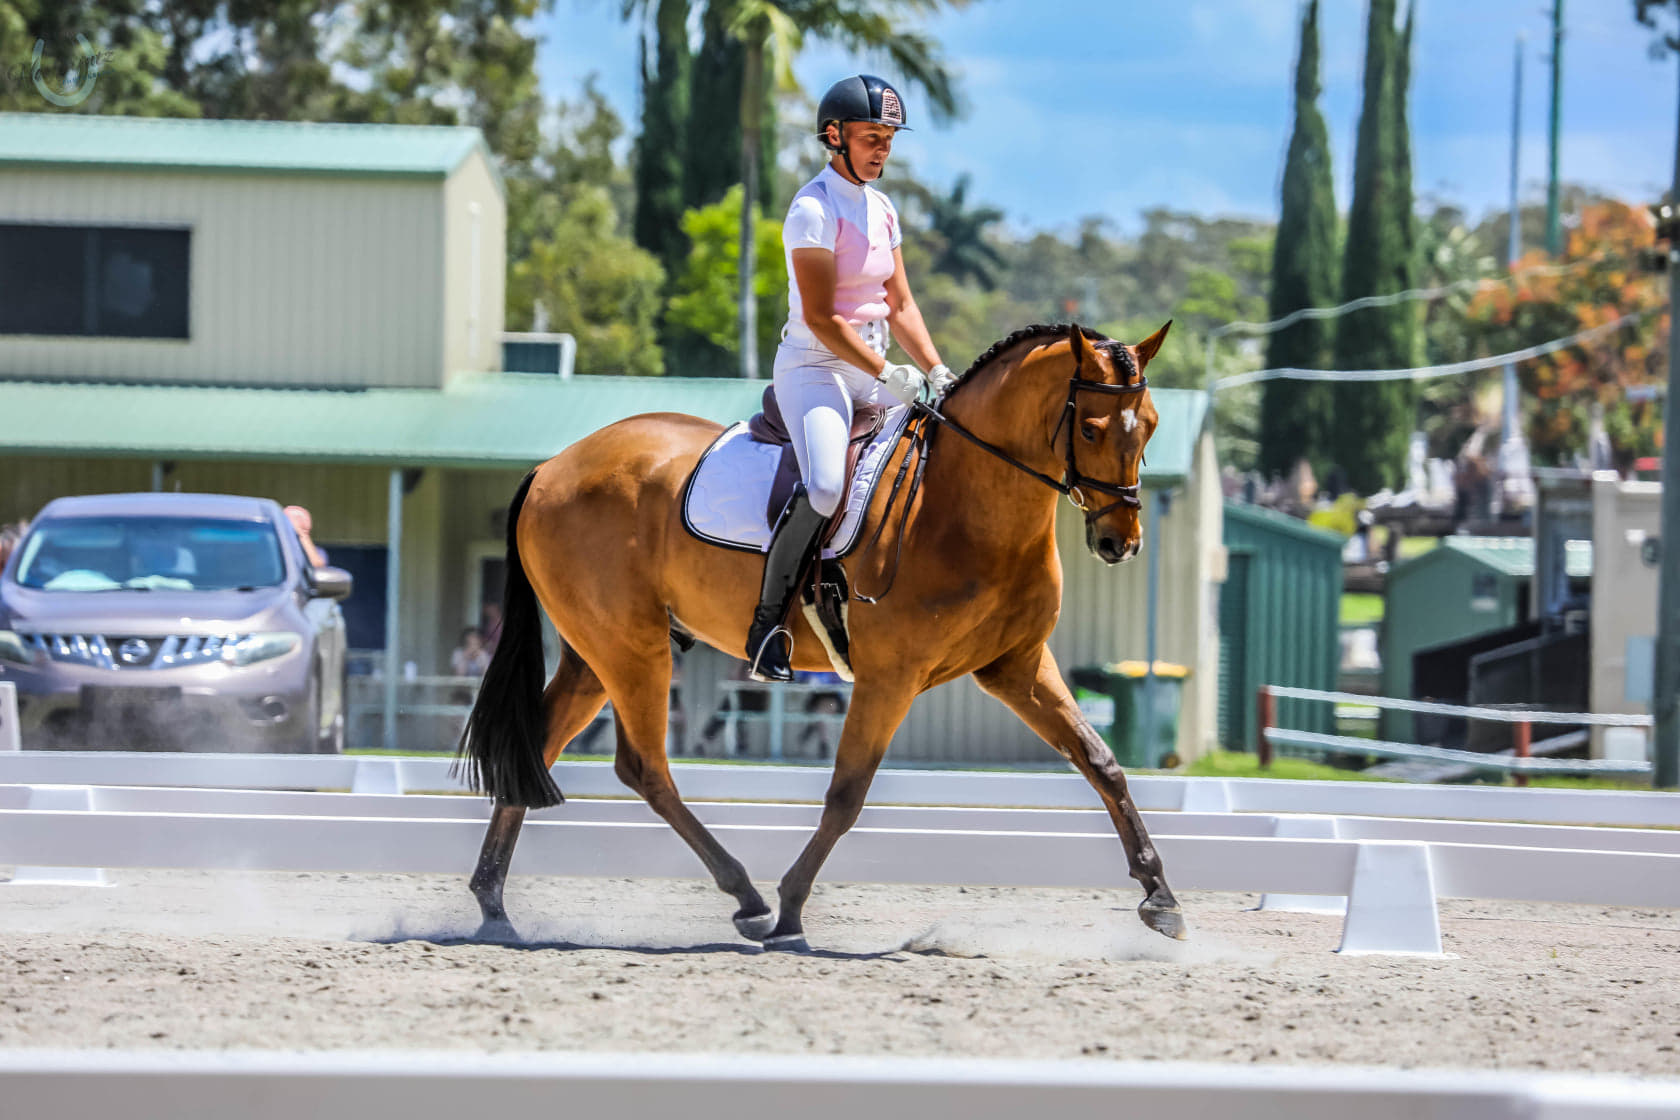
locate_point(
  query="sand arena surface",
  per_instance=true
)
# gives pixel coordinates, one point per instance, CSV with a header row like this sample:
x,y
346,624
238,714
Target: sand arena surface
x,y
212,959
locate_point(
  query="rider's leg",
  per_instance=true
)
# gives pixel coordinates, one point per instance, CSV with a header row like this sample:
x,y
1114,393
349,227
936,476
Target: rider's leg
x,y
818,411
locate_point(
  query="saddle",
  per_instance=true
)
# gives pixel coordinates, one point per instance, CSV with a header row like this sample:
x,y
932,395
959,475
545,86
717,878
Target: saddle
x,y
769,427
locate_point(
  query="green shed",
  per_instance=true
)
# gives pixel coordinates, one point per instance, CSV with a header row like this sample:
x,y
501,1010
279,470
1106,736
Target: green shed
x,y
1279,619
1465,587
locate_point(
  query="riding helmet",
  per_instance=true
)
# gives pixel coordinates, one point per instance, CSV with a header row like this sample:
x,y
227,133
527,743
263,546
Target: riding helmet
x,y
862,97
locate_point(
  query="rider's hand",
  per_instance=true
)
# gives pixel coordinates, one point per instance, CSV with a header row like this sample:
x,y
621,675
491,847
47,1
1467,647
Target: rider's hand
x,y
903,382
940,379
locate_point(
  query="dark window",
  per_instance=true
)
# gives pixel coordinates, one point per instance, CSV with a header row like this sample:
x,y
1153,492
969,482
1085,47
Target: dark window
x,y
115,282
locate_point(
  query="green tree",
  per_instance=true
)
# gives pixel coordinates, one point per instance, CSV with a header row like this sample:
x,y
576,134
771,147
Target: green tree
x,y
961,250
706,292
659,149
1373,420
595,283
1296,417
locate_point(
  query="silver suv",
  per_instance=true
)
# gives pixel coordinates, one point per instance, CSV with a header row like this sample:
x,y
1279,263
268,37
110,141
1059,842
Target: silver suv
x,y
172,622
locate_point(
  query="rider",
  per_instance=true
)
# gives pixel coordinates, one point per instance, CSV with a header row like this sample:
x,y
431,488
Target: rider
x,y
847,285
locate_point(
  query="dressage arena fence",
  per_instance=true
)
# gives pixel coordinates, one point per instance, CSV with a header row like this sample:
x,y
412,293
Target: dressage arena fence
x,y
1379,852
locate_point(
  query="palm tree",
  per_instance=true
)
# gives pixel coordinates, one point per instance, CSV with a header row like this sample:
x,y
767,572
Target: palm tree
x,y
963,252
773,31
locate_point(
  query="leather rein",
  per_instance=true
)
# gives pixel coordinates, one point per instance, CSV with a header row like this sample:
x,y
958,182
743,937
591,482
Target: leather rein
x,y
1073,484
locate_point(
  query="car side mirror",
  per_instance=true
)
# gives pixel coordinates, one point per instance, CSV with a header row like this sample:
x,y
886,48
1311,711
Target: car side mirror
x,y
330,583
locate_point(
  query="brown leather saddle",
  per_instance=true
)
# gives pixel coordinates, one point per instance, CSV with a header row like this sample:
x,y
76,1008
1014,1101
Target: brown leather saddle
x,y
769,427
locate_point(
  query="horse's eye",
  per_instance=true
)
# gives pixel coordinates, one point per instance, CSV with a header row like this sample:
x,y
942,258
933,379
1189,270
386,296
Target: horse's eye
x,y
1088,430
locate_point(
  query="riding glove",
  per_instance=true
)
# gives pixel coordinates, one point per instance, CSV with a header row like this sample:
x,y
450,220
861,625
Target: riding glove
x,y
940,380
903,382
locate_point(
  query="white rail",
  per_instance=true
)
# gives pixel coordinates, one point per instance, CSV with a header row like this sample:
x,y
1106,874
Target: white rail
x,y
437,1085
758,782
1428,707
1383,748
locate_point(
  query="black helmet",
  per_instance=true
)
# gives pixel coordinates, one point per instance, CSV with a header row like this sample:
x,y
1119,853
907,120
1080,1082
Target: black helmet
x,y
862,97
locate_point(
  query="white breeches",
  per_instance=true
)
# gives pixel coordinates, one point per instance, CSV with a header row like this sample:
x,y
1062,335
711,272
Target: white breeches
x,y
816,392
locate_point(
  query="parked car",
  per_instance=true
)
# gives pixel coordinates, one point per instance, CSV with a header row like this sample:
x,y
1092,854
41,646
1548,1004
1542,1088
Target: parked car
x,y
172,622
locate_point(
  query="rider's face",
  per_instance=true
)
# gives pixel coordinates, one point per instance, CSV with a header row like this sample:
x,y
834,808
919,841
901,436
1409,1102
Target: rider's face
x,y
870,145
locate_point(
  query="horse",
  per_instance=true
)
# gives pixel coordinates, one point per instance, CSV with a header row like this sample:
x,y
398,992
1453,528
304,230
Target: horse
x,y
595,537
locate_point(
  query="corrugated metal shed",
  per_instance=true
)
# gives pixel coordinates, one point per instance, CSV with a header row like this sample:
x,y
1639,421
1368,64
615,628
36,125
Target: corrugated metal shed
x,y
477,420
1279,613
182,144
1465,587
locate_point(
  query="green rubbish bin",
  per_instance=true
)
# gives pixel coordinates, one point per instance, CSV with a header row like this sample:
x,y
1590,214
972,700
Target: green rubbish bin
x,y
1113,699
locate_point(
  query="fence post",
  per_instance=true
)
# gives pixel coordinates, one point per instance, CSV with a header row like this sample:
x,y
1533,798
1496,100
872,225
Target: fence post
x,y
1266,716
1523,735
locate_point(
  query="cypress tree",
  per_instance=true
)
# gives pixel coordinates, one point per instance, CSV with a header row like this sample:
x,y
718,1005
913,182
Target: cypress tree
x,y
1401,104
659,164
1295,416
714,121
1373,420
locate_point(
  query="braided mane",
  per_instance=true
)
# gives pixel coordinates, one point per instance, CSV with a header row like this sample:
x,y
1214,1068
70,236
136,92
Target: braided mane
x,y
1114,349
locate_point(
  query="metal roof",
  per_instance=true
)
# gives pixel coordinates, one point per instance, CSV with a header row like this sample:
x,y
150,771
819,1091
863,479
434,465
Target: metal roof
x,y
276,147
1266,520
1508,556
477,420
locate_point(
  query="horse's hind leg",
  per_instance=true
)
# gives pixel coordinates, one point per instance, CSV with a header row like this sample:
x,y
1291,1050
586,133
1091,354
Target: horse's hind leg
x,y
641,697
1031,684
571,700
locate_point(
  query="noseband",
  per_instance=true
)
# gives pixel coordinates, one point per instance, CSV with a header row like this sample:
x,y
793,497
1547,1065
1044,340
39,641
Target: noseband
x,y
1072,483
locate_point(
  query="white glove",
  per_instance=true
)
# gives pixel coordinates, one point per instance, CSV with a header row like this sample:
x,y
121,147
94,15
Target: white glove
x,y
904,382
940,379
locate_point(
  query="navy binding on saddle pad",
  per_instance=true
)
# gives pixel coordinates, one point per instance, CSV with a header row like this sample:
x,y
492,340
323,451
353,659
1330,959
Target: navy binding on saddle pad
x,y
728,496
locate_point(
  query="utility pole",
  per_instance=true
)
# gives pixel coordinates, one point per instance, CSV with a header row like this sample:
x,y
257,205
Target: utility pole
x,y
1515,488
1665,691
1554,228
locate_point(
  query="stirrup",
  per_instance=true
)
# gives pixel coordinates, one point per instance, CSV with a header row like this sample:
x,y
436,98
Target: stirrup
x,y
756,673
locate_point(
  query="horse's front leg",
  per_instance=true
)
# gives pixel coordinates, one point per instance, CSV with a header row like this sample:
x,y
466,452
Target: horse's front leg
x,y
1031,684
870,723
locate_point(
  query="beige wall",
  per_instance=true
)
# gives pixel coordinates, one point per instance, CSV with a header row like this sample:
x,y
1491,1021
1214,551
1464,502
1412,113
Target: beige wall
x,y
295,280
474,267
1624,602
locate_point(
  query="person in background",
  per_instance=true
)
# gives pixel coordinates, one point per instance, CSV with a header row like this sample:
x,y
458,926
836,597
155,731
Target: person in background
x,y
471,657
10,535
491,625
304,524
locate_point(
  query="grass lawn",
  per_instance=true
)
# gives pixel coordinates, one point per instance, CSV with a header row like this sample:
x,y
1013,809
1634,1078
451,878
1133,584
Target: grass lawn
x,y
1240,764
1361,608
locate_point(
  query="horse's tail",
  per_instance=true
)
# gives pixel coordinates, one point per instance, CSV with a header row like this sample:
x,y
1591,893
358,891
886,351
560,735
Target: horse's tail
x,y
501,748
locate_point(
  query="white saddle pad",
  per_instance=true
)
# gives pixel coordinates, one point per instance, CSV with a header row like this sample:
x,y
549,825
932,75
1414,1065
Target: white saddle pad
x,y
728,491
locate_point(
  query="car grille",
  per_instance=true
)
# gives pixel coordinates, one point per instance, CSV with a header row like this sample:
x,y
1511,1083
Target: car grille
x,y
127,651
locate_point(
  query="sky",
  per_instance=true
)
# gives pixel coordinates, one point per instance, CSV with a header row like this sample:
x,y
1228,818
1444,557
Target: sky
x,y
1106,108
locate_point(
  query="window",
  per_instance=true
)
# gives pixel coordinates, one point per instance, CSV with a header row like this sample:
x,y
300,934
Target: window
x,y
102,281
150,554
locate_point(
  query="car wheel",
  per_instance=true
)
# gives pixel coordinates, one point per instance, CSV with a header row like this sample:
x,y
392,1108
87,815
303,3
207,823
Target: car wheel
x,y
332,739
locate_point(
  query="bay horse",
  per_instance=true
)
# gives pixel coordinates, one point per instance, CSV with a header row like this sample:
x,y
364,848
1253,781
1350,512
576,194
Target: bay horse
x,y
596,537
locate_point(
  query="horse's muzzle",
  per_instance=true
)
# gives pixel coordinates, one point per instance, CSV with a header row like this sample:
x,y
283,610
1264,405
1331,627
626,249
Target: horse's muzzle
x,y
1111,549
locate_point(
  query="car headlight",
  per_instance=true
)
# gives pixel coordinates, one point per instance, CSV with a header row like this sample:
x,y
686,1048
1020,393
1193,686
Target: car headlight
x,y
260,647
15,648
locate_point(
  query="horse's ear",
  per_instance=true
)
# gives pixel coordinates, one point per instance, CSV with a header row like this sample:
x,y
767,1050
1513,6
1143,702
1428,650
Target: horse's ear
x,y
1080,347
1148,348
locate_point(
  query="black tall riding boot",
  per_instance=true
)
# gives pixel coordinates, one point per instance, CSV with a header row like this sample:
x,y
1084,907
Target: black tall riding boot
x,y
769,643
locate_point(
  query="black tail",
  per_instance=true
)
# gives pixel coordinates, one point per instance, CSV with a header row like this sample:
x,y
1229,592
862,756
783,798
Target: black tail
x,y
501,749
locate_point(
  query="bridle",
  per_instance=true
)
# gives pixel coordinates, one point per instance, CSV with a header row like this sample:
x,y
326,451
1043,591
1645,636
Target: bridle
x,y
1073,484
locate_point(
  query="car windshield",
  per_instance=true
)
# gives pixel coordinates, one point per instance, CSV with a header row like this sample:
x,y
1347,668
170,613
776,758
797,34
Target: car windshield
x,y
150,554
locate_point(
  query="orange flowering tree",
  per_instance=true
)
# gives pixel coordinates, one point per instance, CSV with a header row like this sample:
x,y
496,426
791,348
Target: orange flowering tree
x,y
1601,282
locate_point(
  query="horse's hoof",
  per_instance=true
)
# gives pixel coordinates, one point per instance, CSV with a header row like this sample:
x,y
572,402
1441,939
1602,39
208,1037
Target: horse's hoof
x,y
1167,921
787,943
498,931
755,927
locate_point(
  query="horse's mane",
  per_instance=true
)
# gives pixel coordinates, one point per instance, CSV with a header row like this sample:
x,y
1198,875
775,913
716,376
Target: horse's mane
x,y
1115,350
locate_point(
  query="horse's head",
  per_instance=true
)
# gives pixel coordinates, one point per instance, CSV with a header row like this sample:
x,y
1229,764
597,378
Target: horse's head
x,y
1111,424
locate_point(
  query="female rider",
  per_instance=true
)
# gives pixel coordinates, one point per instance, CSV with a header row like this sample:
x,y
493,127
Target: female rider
x,y
847,287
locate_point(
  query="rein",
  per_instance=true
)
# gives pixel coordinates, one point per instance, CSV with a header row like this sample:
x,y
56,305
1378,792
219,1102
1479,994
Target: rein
x,y
1072,484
